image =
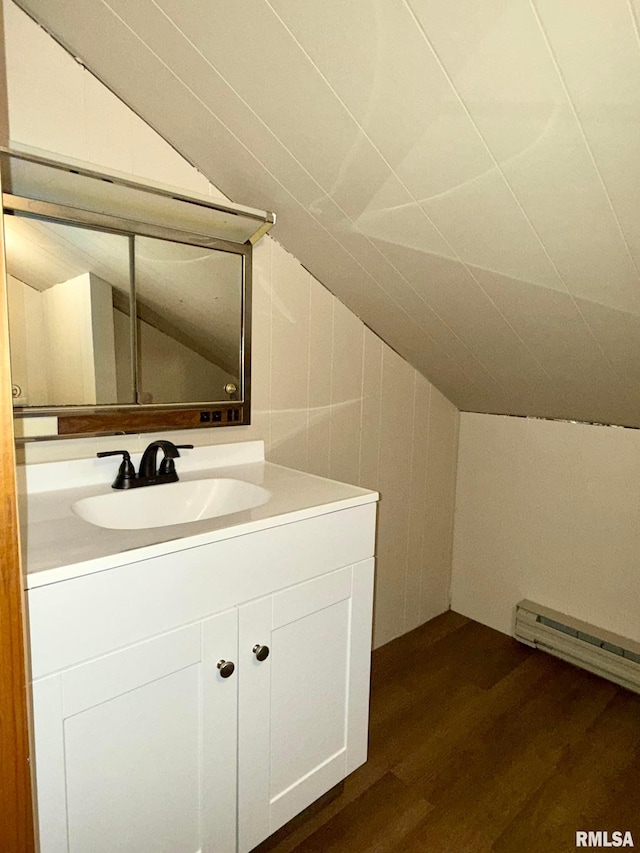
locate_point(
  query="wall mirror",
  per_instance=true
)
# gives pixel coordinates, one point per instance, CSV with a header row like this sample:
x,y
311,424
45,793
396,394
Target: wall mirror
x,y
129,305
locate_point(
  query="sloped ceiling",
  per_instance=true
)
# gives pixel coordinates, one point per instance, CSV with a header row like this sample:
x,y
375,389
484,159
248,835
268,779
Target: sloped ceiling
x,y
463,175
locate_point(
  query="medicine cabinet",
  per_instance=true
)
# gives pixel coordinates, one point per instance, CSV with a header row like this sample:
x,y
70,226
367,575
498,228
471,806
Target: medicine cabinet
x,y
129,304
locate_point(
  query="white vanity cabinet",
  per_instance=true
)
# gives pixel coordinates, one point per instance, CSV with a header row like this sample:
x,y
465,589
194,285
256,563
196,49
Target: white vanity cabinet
x,y
141,742
137,750
303,711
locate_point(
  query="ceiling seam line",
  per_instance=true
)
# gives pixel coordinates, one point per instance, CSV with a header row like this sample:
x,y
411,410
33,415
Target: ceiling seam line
x,y
558,419
524,213
480,136
422,330
634,21
418,326
583,135
325,192
602,183
369,275
496,167
364,269
455,254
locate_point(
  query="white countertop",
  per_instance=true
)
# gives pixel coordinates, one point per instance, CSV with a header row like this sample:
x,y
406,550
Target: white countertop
x,y
58,545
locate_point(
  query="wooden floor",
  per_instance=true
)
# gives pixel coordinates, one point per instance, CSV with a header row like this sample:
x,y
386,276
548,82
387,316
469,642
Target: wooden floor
x,y
478,743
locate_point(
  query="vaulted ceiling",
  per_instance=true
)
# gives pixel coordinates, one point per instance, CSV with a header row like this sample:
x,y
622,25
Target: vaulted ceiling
x,y
463,174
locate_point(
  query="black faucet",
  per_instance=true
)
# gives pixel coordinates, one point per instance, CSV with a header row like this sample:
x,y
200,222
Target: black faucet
x,y
149,473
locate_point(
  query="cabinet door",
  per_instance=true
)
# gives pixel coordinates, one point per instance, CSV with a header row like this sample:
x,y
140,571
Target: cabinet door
x,y
136,751
303,711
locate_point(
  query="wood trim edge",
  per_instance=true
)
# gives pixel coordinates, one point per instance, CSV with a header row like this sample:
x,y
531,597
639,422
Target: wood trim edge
x,y
16,805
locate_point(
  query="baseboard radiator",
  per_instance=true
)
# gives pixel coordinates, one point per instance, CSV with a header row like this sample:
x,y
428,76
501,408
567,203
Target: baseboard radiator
x,y
601,652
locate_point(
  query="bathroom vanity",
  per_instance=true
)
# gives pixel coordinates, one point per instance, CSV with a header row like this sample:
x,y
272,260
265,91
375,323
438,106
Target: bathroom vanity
x,y
195,685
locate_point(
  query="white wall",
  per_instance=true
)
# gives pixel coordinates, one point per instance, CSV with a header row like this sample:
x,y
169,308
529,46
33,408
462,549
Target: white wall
x,y
29,343
62,342
79,323
172,372
328,396
548,511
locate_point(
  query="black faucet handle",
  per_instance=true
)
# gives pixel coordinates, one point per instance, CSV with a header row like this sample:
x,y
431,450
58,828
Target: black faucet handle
x,y
123,453
126,473
168,466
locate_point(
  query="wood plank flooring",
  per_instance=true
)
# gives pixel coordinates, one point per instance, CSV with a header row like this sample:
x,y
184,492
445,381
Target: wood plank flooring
x,y
478,743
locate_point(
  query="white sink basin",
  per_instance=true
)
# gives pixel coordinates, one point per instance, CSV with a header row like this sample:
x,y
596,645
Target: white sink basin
x,y
170,503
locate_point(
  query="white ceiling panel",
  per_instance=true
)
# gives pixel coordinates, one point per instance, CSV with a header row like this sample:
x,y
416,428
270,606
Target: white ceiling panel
x,y
348,169
554,324
462,176
474,318
30,85
502,72
486,227
404,102
560,191
599,61
618,333
394,217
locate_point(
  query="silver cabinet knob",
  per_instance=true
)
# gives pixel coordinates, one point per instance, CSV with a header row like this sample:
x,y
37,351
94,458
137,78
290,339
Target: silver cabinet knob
x,y
261,652
226,668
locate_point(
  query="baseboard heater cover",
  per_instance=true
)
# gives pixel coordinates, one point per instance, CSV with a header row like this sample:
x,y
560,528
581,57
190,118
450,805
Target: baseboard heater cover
x,y
601,652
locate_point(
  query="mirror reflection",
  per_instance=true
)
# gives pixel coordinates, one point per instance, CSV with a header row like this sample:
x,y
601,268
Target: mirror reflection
x,y
70,305
189,321
66,286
